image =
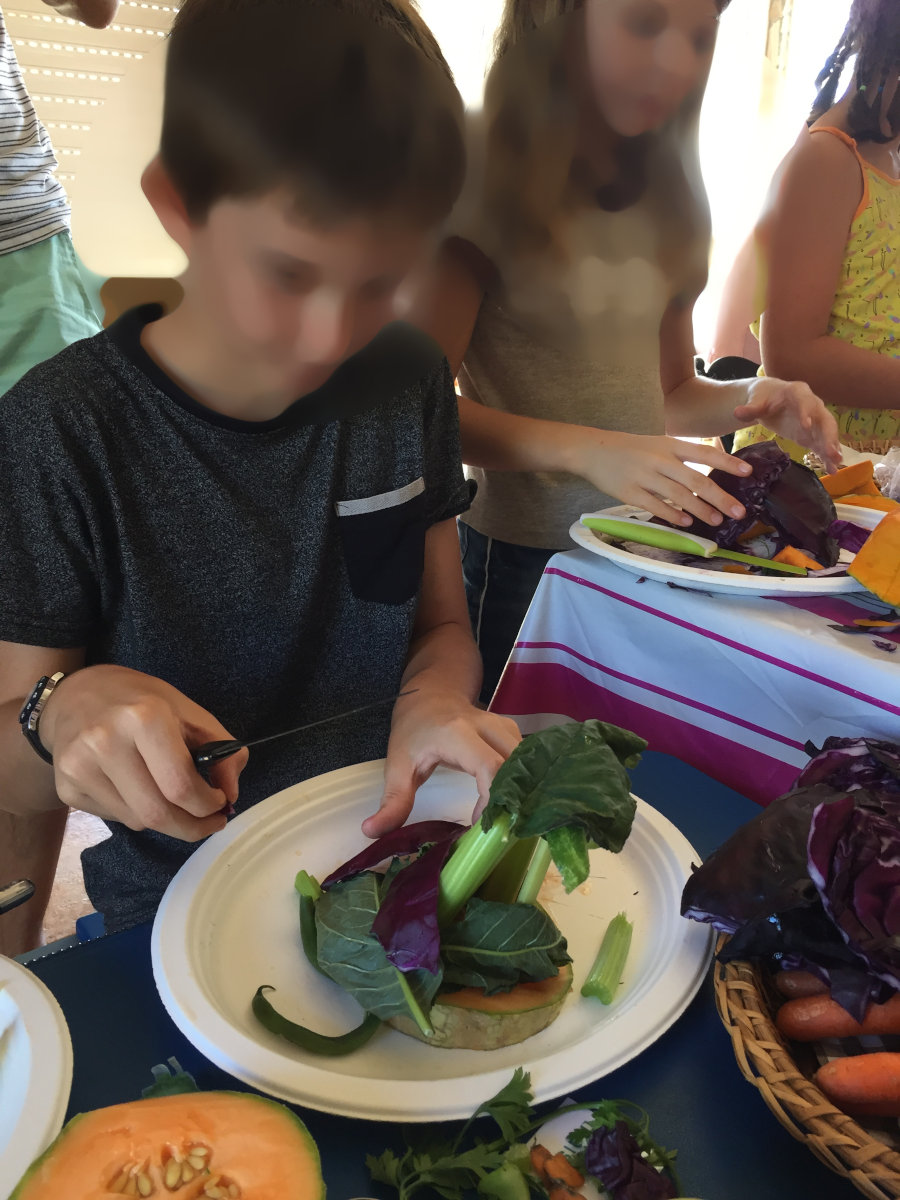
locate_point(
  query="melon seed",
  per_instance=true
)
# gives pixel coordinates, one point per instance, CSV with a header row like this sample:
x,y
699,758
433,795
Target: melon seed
x,y
118,1184
145,1184
172,1177
198,1163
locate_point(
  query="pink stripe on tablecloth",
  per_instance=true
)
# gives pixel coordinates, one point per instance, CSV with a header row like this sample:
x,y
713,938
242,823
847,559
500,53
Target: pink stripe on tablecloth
x,y
528,687
717,637
661,691
838,611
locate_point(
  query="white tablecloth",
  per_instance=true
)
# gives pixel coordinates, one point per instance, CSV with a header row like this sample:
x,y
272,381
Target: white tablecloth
x,y
736,686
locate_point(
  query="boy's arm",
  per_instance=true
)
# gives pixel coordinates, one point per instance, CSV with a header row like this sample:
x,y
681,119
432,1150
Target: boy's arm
x,y
119,741
96,13
440,724
819,195
698,407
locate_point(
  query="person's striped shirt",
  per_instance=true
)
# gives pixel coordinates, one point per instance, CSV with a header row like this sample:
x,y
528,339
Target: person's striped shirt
x,y
33,204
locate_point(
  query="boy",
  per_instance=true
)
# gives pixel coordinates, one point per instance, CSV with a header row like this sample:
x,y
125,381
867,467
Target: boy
x,y
202,554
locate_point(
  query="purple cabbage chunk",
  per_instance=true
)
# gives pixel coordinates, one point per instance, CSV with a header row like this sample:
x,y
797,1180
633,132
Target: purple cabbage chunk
x,y
614,1157
779,493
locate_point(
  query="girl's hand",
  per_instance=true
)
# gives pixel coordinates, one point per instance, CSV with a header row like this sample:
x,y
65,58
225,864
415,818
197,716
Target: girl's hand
x,y
119,740
794,411
649,471
433,727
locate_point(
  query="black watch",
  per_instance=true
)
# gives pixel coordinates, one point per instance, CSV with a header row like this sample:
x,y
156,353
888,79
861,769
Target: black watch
x,y
32,709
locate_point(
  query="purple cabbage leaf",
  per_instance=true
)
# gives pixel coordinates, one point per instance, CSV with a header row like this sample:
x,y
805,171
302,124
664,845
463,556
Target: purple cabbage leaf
x,y
408,839
406,923
854,862
614,1157
779,493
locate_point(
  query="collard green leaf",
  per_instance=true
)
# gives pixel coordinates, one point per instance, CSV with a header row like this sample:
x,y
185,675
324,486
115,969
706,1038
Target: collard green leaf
x,y
569,775
351,956
569,850
495,946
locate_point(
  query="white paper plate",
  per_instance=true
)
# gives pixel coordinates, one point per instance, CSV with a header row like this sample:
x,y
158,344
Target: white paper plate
x,y
35,1071
704,579
868,518
228,923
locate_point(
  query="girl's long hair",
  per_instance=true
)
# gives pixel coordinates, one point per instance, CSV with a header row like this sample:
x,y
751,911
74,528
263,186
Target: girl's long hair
x,y
872,34
531,151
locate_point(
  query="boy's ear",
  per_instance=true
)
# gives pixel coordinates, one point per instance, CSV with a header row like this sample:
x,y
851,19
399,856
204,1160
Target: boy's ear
x,y
166,202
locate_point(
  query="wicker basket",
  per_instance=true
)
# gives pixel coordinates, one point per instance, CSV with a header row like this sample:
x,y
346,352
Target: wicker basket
x,y
745,1005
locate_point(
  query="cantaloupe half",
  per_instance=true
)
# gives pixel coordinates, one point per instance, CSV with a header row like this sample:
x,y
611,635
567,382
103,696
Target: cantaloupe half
x,y
469,1020
196,1146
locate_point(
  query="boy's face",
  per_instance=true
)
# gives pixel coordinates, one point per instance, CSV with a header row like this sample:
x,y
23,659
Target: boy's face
x,y
289,300
646,56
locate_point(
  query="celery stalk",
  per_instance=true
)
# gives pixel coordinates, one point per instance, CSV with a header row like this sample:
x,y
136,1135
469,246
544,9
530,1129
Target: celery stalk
x,y
506,879
307,886
535,875
415,1009
605,975
475,855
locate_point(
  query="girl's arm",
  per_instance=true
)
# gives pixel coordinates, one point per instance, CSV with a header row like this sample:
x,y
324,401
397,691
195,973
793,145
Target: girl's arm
x,y
698,407
820,192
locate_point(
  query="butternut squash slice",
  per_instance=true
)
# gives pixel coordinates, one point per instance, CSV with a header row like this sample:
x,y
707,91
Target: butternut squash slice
x,y
877,564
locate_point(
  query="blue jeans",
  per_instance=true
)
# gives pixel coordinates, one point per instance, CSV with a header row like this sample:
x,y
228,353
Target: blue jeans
x,y
500,580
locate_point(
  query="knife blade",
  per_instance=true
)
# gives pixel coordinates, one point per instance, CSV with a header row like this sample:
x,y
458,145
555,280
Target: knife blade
x,y
212,752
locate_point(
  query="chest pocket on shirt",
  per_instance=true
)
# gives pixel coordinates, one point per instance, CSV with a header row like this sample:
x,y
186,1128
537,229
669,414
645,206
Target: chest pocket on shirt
x,y
384,543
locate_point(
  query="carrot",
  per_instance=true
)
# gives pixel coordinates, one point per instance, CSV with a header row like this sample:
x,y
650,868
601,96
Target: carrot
x,y
790,554
539,1156
559,1170
809,1018
800,983
863,1085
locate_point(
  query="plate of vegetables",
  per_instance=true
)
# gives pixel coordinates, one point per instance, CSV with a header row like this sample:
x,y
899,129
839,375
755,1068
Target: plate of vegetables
x,y
334,1023
792,541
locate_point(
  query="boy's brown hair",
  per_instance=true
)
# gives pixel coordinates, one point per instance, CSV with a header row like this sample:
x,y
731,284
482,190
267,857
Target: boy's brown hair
x,y
347,103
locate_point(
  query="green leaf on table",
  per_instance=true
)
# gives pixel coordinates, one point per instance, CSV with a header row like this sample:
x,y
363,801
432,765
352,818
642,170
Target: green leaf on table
x,y
511,1107
350,955
496,946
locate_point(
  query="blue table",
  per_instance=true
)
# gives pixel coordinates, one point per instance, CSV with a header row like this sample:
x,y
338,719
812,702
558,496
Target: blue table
x,y
730,1147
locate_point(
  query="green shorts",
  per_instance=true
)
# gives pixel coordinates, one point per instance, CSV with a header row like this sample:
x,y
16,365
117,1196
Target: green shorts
x,y
43,306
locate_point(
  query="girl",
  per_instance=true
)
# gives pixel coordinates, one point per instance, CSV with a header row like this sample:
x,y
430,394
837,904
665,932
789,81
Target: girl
x,y
832,241
566,302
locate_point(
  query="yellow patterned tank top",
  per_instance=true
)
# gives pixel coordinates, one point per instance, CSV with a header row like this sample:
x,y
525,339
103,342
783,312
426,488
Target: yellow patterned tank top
x,y
866,308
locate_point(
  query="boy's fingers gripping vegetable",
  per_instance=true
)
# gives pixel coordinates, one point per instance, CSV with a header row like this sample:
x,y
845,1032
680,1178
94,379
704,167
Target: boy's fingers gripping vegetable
x,y
810,1018
199,1146
307,1039
863,1085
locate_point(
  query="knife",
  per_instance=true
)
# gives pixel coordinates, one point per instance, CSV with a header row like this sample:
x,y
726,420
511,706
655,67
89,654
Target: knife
x,y
633,529
212,752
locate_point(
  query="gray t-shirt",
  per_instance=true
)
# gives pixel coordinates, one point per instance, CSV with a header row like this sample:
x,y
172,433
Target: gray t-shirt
x,y
269,570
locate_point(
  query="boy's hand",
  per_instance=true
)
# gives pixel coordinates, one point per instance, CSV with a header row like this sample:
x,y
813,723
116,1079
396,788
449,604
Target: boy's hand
x,y
432,728
793,411
649,471
119,741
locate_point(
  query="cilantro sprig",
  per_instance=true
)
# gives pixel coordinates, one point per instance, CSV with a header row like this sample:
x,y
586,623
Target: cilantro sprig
x,y
498,1166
